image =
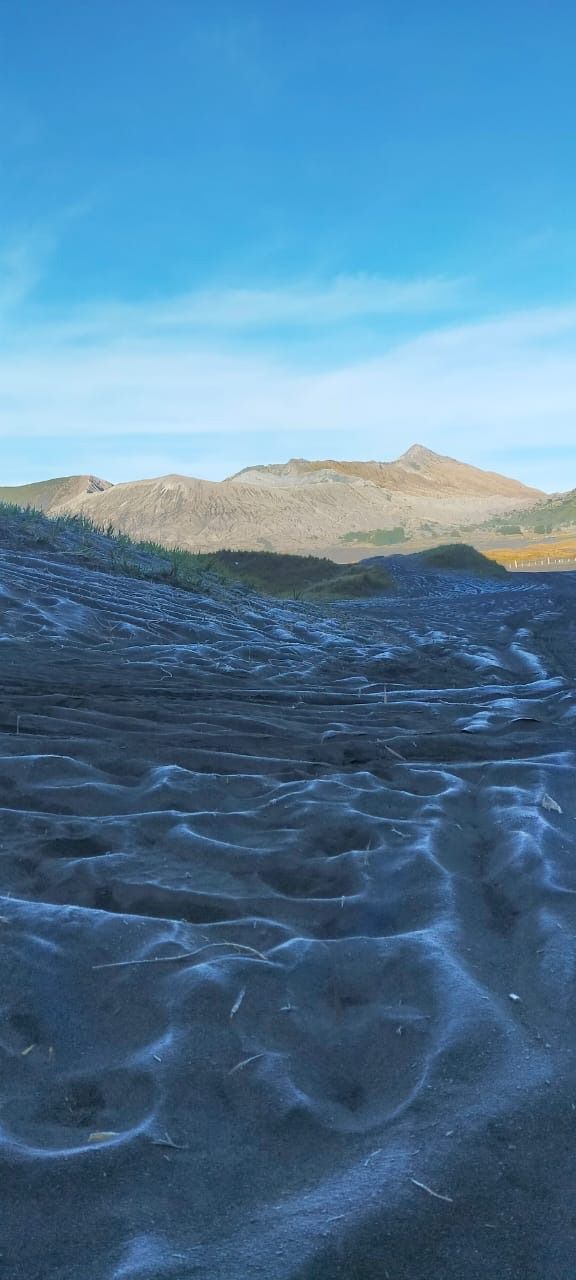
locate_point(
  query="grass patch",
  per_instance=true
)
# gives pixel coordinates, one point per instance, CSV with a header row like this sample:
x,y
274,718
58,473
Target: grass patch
x,y
460,557
377,537
508,529
357,582
306,577
74,538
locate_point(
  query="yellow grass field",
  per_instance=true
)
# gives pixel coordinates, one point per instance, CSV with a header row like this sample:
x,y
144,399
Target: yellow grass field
x,y
541,555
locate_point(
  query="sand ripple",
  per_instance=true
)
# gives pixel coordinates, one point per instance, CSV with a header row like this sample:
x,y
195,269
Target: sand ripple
x,y
284,925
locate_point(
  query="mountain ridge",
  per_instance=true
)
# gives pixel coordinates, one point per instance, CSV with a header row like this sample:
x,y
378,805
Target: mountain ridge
x,y
417,470
301,506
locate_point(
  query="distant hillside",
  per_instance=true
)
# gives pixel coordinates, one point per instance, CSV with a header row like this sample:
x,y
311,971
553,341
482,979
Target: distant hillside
x,y
556,513
50,495
307,507
550,515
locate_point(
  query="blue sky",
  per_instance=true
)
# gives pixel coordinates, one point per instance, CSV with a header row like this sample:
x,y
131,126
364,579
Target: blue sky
x,y
237,232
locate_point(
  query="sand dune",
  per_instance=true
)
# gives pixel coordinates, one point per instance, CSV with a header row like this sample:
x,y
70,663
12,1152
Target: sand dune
x,y
288,931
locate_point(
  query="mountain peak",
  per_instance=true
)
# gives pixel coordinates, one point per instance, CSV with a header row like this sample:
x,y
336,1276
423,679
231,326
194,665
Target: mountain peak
x,y
418,453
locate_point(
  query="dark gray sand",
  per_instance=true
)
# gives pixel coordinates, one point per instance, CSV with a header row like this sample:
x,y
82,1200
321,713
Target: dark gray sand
x,y
287,932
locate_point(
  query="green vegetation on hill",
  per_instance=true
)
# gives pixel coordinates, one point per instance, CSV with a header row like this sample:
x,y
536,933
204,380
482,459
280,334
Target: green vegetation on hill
x,y
377,537
508,528
458,556
544,518
551,515
76,539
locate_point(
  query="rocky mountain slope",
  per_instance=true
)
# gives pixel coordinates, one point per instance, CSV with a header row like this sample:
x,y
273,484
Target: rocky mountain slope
x,y
418,471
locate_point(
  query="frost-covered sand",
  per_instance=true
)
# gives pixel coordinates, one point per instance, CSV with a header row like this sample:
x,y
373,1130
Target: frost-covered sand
x,y
287,934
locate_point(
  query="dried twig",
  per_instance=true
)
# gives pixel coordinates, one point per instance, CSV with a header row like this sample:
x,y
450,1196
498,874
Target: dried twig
x,y
183,955
436,1194
166,1141
124,964
245,1062
237,1002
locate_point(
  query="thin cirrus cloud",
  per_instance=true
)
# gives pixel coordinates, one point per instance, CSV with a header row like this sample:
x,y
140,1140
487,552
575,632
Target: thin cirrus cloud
x,y
302,306
214,363
347,298
19,274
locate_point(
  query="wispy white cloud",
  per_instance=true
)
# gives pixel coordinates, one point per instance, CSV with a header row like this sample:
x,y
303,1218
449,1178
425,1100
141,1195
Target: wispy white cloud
x,y
212,363
24,261
304,306
20,272
347,297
